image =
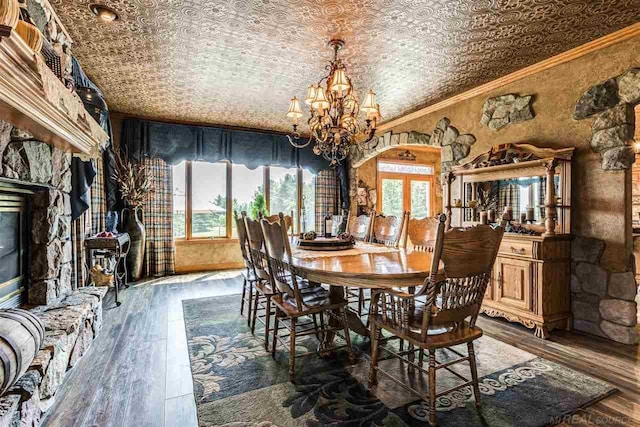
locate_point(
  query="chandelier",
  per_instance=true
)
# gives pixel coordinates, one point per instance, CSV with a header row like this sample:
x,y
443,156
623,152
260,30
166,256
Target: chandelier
x,y
334,110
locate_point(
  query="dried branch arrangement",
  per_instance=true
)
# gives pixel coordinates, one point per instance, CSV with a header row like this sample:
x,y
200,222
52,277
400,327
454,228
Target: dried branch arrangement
x,y
134,180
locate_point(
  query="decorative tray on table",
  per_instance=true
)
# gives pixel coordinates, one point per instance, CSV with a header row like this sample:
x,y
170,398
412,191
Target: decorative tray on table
x,y
340,243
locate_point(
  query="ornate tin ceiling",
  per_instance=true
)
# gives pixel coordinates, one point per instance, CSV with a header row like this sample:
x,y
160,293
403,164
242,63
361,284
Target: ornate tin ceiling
x,y
238,62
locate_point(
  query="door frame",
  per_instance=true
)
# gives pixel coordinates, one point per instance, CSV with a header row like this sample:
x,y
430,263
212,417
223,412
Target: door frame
x,y
406,185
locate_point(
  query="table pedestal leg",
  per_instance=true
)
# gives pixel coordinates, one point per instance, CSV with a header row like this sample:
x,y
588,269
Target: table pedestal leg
x,y
355,324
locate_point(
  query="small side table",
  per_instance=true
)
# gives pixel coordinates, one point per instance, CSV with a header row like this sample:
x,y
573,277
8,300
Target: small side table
x,y
113,248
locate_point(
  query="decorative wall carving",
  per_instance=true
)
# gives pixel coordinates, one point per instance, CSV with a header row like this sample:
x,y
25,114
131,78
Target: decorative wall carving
x,y
238,62
501,111
611,104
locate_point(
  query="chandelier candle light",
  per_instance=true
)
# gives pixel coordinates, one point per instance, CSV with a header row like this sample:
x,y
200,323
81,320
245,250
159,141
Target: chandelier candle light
x,y
334,112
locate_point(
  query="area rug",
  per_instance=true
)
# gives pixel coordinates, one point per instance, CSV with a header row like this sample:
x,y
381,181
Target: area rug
x,y
237,383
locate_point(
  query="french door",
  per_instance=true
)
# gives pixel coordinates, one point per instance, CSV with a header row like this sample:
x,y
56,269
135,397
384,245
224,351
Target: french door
x,y
405,187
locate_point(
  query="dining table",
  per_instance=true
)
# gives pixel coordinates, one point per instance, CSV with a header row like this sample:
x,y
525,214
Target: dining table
x,y
366,265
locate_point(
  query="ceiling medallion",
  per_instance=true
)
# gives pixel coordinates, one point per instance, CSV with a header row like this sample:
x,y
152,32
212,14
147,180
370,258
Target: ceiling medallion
x,y
334,110
104,13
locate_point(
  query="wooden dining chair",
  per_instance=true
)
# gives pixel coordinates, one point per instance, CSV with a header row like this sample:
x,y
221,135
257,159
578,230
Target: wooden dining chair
x,y
248,274
297,298
360,227
262,309
337,222
422,233
447,317
288,219
387,230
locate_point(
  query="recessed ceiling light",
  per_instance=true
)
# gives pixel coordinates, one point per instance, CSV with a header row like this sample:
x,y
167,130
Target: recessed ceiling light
x,y
105,13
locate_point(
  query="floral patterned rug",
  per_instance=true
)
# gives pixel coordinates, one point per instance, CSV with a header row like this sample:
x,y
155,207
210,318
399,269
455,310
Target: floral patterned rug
x,y
237,383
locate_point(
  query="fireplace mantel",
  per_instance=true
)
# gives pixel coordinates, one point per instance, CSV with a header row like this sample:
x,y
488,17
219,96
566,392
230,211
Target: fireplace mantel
x,y
32,98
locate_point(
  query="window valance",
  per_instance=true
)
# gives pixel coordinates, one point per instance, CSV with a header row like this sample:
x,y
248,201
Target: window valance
x,y
175,142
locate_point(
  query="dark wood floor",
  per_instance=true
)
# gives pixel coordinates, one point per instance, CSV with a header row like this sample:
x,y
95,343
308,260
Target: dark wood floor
x,y
137,371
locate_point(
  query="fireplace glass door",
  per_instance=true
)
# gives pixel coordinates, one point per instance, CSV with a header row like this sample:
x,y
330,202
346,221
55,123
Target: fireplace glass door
x,y
12,241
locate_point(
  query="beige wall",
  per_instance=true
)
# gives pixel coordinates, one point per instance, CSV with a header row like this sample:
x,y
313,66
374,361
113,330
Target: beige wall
x,y
601,199
203,255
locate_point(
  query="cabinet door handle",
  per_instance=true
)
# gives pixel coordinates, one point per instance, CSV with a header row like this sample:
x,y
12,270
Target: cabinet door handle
x,y
520,251
499,280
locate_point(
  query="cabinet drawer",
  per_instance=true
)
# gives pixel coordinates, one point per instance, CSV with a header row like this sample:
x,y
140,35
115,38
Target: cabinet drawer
x,y
510,247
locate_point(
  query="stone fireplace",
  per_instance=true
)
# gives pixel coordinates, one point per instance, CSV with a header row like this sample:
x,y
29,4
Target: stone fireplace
x,y
40,176
37,269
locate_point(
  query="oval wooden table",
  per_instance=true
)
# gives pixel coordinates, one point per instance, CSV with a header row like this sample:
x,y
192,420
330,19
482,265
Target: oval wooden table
x,y
399,268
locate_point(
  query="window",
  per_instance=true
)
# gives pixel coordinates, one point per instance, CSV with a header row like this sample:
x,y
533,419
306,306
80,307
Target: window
x,y
308,215
283,192
206,194
404,186
247,189
208,200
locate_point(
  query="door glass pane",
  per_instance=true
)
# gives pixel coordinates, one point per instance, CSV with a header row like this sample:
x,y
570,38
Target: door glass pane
x,y
283,188
208,218
420,198
247,190
179,200
392,197
405,168
308,201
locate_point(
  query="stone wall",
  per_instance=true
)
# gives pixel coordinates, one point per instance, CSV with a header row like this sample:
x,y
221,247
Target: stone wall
x,y
602,302
71,324
24,159
454,145
601,199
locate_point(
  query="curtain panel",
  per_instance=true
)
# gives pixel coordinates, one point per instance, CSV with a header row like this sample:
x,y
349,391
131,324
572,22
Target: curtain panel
x,y
98,200
327,196
174,143
158,220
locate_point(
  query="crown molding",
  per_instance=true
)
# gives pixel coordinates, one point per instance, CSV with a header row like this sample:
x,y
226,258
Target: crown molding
x,y
577,52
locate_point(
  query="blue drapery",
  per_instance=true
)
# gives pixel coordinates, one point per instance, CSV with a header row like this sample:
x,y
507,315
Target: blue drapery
x,y
174,143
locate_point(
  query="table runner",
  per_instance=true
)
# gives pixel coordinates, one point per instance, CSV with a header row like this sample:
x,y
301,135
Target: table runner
x,y
359,249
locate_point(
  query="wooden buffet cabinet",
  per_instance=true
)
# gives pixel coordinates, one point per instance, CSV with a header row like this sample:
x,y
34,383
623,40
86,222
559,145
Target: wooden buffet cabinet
x,y
531,277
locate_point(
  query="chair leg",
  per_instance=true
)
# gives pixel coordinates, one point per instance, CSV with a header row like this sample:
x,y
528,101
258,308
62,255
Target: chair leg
x,y
373,373
411,357
276,324
421,357
360,301
244,294
249,306
347,337
474,373
432,388
292,350
315,325
255,312
267,321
